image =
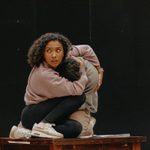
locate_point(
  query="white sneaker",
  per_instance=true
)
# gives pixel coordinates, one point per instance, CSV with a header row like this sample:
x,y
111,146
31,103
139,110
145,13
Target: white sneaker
x,y
88,132
45,130
19,133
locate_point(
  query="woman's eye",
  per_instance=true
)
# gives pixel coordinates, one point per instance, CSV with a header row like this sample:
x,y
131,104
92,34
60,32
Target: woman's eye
x,y
58,50
48,50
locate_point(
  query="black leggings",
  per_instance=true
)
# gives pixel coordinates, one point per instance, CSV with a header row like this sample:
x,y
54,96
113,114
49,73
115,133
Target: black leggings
x,y
56,111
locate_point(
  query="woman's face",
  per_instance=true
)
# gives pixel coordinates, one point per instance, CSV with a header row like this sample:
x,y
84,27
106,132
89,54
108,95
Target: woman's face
x,y
53,53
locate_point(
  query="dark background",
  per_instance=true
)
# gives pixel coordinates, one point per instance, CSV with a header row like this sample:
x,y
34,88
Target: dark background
x,y
118,31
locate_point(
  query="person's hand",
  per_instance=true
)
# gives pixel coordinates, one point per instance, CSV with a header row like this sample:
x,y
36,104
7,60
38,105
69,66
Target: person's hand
x,y
78,59
100,75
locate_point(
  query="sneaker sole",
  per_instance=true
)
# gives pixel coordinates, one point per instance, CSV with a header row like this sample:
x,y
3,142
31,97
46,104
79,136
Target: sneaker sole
x,y
44,135
85,137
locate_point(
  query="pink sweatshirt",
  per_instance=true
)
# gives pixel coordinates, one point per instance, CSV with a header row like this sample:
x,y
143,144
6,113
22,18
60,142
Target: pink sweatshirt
x,y
45,83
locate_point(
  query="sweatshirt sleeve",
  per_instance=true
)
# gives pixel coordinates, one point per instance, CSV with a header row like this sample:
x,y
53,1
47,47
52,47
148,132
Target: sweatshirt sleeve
x,y
86,52
57,86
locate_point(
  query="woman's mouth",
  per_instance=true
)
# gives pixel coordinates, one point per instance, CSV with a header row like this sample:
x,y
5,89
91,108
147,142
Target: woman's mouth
x,y
54,61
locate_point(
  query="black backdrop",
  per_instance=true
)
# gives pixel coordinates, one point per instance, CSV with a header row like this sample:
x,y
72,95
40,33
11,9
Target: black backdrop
x,y
119,32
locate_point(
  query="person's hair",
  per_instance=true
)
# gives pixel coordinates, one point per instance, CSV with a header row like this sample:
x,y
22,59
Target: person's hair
x,y
36,51
70,69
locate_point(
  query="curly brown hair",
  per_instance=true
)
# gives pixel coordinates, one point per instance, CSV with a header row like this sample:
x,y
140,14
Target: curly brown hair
x,y
36,51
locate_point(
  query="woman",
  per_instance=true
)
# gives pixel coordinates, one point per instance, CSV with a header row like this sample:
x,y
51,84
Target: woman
x,y
49,98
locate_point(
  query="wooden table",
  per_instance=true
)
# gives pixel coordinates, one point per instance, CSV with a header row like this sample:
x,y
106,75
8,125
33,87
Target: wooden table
x,y
95,143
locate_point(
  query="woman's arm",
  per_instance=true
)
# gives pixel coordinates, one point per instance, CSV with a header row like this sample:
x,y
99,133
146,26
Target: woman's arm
x,y
86,52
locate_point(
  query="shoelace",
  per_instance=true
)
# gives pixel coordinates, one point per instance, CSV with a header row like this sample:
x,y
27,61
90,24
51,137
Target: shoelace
x,y
26,134
47,125
50,126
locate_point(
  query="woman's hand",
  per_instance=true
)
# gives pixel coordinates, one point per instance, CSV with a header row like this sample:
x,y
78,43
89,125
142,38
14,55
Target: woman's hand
x,y
78,59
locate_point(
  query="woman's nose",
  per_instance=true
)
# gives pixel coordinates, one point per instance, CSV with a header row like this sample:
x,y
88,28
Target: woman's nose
x,y
53,54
